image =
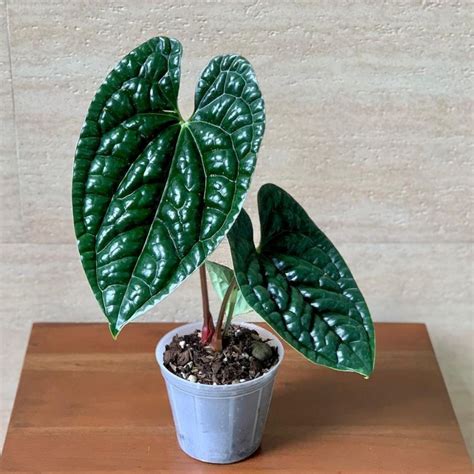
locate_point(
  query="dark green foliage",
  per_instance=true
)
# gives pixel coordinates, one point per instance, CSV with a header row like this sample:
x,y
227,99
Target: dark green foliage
x,y
299,283
153,194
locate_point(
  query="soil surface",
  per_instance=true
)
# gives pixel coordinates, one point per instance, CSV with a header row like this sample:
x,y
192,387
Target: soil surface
x,y
245,356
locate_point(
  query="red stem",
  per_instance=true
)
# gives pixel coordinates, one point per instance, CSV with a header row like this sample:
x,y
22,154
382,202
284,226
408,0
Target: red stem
x,y
216,342
208,324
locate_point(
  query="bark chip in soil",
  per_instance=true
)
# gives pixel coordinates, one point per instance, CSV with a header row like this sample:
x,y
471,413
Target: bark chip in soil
x,y
245,356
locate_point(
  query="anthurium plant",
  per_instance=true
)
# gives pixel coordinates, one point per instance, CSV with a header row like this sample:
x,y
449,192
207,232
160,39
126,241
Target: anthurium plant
x,y
154,194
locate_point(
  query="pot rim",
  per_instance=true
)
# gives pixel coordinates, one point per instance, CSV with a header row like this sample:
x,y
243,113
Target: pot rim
x,y
274,340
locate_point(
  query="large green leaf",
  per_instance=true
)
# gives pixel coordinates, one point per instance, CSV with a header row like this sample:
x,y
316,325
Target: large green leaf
x,y
299,283
153,194
221,277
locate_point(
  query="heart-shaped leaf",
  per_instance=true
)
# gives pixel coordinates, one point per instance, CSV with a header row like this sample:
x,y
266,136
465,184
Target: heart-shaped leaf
x,y
153,194
221,277
299,283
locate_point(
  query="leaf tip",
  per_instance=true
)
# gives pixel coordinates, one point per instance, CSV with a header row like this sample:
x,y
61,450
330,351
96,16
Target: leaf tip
x,y
367,372
114,331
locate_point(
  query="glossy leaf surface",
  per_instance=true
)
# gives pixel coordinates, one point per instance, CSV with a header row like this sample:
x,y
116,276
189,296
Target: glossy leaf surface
x,y
153,194
299,283
221,277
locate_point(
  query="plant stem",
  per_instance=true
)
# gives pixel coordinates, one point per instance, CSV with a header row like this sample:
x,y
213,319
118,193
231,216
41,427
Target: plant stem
x,y
230,312
216,342
208,324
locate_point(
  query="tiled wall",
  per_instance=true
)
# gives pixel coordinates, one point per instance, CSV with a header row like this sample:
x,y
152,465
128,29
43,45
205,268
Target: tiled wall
x,y
369,126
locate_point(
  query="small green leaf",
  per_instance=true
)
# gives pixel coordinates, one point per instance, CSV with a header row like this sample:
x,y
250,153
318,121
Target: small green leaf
x,y
299,283
154,195
220,277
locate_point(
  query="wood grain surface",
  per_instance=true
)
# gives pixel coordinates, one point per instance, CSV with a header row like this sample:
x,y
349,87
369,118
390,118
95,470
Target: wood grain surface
x,y
87,403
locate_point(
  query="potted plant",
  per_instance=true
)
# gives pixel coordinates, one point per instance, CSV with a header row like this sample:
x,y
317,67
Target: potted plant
x,y
155,194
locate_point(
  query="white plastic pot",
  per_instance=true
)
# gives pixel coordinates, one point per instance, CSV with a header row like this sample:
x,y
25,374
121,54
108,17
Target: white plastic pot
x,y
219,423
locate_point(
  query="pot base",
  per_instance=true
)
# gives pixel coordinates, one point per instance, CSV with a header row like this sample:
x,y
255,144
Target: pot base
x,y
236,459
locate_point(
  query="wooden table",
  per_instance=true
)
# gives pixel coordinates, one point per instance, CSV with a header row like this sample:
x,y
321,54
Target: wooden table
x,y
87,403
